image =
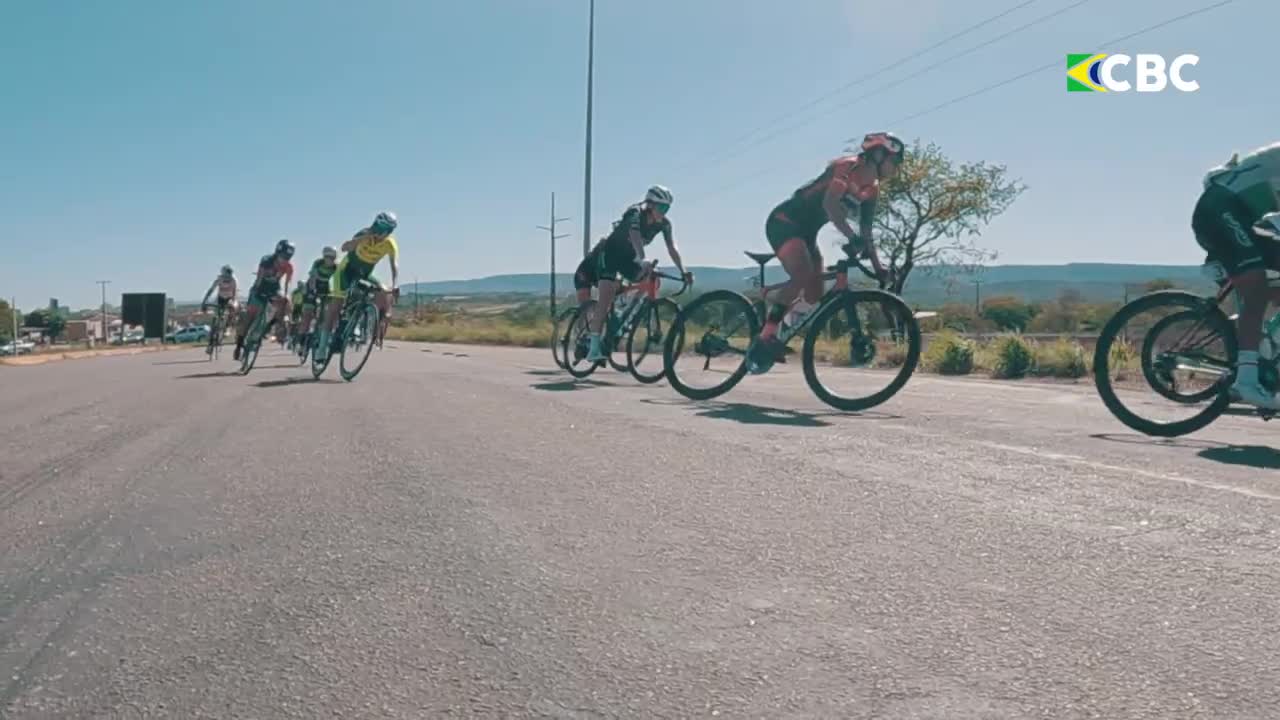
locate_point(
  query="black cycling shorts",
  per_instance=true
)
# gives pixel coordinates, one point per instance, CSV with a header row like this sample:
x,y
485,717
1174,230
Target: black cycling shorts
x,y
1223,227
585,277
223,302
617,258
780,228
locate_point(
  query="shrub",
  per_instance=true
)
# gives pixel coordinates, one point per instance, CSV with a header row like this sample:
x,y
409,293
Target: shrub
x,y
1012,356
1063,358
950,354
1122,359
890,354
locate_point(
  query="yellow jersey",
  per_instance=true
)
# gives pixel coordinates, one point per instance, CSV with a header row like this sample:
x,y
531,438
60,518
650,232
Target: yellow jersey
x,y
368,251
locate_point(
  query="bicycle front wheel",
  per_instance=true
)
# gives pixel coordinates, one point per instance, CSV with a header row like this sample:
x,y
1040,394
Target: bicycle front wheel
x,y
865,344
644,342
1187,354
358,340
704,354
252,341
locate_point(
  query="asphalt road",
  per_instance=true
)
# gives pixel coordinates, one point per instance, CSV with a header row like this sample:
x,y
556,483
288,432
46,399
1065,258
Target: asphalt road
x,y
464,532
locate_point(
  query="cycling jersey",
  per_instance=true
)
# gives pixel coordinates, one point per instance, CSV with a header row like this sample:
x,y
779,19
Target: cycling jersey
x,y
271,269
805,207
636,219
1255,180
318,278
358,264
226,287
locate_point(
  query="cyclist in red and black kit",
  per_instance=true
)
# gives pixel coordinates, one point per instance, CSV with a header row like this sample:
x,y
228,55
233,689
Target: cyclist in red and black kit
x,y
274,272
620,254
849,185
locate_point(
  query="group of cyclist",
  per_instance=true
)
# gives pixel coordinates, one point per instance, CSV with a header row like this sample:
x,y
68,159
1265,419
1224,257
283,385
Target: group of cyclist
x,y
848,186
325,286
1236,221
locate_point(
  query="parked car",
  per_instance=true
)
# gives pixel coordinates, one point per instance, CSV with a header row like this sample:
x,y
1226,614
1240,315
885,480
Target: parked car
x,y
22,347
191,333
131,337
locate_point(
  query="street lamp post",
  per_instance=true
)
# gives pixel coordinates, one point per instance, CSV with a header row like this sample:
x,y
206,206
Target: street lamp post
x,y
586,193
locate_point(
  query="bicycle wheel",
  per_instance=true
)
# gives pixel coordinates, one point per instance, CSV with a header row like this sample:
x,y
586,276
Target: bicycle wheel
x,y
885,338
644,342
1158,369
577,342
212,348
252,341
358,340
558,330
1113,353
718,326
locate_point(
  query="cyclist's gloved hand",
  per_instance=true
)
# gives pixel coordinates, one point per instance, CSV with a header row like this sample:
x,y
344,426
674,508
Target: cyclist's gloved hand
x,y
204,308
688,277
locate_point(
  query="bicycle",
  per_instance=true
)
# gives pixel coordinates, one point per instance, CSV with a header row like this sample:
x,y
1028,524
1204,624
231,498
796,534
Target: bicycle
x,y
356,331
836,312
216,329
1190,370
254,336
557,335
643,310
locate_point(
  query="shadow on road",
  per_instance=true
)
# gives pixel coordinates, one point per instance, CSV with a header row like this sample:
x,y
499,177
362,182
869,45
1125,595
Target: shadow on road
x,y
301,380
224,373
571,384
205,361
1251,455
544,373
749,414
1135,439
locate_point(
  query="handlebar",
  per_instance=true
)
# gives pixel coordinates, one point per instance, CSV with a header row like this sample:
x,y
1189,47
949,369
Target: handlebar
x,y
667,276
852,258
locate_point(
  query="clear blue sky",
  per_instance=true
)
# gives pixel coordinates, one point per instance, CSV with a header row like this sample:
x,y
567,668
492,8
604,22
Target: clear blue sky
x,y
148,142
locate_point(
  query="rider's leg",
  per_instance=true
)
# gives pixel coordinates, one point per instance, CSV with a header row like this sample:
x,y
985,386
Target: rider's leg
x,y
1222,228
799,262
595,323
242,327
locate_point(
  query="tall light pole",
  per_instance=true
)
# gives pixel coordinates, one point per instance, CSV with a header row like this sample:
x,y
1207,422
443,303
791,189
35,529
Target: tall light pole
x,y
551,230
586,194
104,284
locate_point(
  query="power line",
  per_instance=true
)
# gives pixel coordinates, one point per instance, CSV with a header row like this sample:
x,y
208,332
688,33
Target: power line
x,y
895,83
997,85
868,76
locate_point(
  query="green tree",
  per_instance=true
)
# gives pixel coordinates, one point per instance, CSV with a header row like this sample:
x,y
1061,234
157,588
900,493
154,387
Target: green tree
x,y
1007,312
6,321
36,319
933,211
54,324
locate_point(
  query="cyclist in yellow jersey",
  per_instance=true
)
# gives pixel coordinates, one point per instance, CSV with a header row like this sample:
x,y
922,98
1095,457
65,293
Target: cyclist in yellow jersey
x,y
363,252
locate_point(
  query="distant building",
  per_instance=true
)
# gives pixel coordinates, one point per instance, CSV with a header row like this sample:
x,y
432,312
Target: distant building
x,y
53,304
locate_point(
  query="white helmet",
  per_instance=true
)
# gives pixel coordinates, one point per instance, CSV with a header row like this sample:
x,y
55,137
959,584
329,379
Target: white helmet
x,y
658,194
1222,169
330,252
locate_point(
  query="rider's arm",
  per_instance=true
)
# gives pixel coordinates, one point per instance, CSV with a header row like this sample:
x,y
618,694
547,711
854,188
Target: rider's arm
x,y
394,258
671,248
351,244
209,292
836,212
866,218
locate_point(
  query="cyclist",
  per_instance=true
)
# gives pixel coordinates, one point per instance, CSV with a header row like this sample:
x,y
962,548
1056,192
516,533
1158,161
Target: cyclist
x,y
272,270
621,253
363,251
226,285
850,184
317,287
1235,222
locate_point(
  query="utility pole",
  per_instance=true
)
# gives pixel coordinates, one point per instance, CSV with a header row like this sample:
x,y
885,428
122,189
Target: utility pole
x,y
551,230
417,293
104,284
586,194
13,312
977,297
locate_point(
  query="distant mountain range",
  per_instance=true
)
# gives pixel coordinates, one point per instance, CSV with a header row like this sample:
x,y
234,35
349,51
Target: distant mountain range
x,y
1097,282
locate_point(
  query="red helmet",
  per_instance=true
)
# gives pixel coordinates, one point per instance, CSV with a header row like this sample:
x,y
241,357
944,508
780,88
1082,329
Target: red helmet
x,y
886,140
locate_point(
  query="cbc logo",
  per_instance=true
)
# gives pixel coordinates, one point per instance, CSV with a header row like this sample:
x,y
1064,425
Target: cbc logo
x,y
1100,72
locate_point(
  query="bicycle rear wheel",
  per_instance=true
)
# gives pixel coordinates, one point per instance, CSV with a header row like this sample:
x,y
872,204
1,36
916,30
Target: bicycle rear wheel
x,y
644,342
358,340
559,327
1208,349
718,326
882,344
577,342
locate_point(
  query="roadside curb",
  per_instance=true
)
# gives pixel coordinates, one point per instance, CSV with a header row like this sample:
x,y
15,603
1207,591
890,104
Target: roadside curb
x,y
43,358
